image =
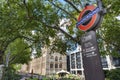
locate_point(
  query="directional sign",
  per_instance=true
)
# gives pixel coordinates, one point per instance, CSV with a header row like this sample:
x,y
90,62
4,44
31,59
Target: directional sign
x,y
89,18
91,57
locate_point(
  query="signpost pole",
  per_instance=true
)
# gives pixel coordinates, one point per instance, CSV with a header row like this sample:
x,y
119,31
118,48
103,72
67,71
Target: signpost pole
x,y
89,20
91,57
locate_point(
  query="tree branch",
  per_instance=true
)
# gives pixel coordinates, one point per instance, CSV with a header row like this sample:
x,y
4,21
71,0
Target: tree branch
x,y
19,36
5,47
118,47
14,57
27,8
68,35
69,2
58,28
61,30
81,4
64,11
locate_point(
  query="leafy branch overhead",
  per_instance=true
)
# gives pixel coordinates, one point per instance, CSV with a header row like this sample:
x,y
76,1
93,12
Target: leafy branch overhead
x,y
38,22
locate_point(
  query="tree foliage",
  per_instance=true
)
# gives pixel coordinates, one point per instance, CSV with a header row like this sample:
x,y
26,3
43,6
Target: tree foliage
x,y
113,74
111,27
37,22
19,52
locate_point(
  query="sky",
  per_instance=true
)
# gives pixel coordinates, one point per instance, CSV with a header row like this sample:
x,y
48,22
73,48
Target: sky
x,y
62,1
118,17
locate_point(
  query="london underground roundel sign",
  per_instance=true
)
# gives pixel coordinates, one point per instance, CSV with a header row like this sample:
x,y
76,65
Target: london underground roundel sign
x,y
89,18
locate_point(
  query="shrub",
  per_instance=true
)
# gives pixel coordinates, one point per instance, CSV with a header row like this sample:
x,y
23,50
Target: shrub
x,y
113,74
10,74
33,79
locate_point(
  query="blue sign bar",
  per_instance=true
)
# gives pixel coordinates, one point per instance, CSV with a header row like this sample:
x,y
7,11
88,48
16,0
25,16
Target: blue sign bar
x,y
85,18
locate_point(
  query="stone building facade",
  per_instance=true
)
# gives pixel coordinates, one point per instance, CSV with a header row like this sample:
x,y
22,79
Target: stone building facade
x,y
47,64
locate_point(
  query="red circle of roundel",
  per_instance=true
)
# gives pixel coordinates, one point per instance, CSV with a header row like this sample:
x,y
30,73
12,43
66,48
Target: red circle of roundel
x,y
91,22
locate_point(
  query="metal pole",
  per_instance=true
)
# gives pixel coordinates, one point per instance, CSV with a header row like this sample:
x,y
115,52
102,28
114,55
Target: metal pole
x,y
82,70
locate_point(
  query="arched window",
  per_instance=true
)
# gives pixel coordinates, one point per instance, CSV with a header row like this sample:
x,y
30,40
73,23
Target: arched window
x,y
56,65
56,58
60,65
51,65
60,58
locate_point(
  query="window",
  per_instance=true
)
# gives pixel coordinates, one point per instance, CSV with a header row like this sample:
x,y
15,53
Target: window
x,y
60,58
116,61
73,61
60,65
51,65
78,60
56,65
104,62
56,58
51,57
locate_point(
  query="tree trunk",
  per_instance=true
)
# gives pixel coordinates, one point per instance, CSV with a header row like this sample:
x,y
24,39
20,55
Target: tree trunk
x,y
1,56
1,61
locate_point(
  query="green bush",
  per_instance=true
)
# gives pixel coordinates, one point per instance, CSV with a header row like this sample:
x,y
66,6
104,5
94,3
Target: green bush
x,y
33,79
10,74
113,74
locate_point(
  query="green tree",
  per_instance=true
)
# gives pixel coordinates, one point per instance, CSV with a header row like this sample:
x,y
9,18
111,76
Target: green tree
x,y
18,18
32,24
110,28
19,52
